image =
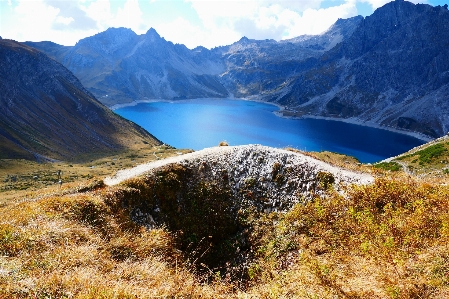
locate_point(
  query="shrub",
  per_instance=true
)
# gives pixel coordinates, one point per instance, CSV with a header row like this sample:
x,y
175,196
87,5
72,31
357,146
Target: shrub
x,y
84,208
325,179
430,153
393,222
391,166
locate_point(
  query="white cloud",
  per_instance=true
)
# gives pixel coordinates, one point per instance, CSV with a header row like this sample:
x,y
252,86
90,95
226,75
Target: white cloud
x,y
129,16
183,32
8,1
64,20
213,10
316,21
38,20
261,19
218,22
172,32
99,10
297,6
378,3
32,20
71,10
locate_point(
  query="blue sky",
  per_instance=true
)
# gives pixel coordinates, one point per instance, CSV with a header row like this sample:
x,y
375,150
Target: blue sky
x,y
208,23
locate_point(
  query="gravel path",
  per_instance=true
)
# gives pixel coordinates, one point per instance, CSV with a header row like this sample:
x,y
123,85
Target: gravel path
x,y
247,156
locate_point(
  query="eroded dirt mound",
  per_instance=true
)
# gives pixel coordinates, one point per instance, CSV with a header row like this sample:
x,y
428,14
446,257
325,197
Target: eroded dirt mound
x,y
211,198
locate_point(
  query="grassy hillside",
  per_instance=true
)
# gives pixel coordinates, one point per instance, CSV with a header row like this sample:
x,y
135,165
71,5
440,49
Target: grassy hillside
x,y
385,240
429,160
46,114
22,177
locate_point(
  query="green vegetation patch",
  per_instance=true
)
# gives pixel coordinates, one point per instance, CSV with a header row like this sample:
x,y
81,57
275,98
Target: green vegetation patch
x,y
325,179
429,154
391,166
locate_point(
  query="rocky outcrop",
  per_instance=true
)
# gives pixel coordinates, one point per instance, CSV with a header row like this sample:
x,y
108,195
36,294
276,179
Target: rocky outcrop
x,y
266,178
45,112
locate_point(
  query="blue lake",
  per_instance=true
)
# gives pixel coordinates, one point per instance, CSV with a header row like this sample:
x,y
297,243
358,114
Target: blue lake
x,y
197,124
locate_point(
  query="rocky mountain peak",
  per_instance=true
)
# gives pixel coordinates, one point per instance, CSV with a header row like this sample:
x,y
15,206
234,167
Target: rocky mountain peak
x,y
109,41
387,21
339,31
345,26
118,35
245,42
117,31
152,35
200,49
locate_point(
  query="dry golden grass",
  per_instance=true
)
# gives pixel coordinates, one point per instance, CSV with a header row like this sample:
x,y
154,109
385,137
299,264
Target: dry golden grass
x,y
74,246
386,240
336,159
22,178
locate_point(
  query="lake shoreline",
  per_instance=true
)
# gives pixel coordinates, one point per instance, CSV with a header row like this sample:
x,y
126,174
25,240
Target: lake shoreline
x,y
353,121
135,103
357,122
279,113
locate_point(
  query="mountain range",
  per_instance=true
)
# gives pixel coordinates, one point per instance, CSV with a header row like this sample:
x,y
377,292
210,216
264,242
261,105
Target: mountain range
x,y
46,113
389,69
119,66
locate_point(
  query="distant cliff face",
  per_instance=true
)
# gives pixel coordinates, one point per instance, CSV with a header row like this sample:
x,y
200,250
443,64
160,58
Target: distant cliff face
x,y
45,112
118,66
390,69
257,67
393,71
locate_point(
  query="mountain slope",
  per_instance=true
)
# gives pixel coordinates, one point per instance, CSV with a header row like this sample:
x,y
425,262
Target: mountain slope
x,y
254,67
393,71
45,112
